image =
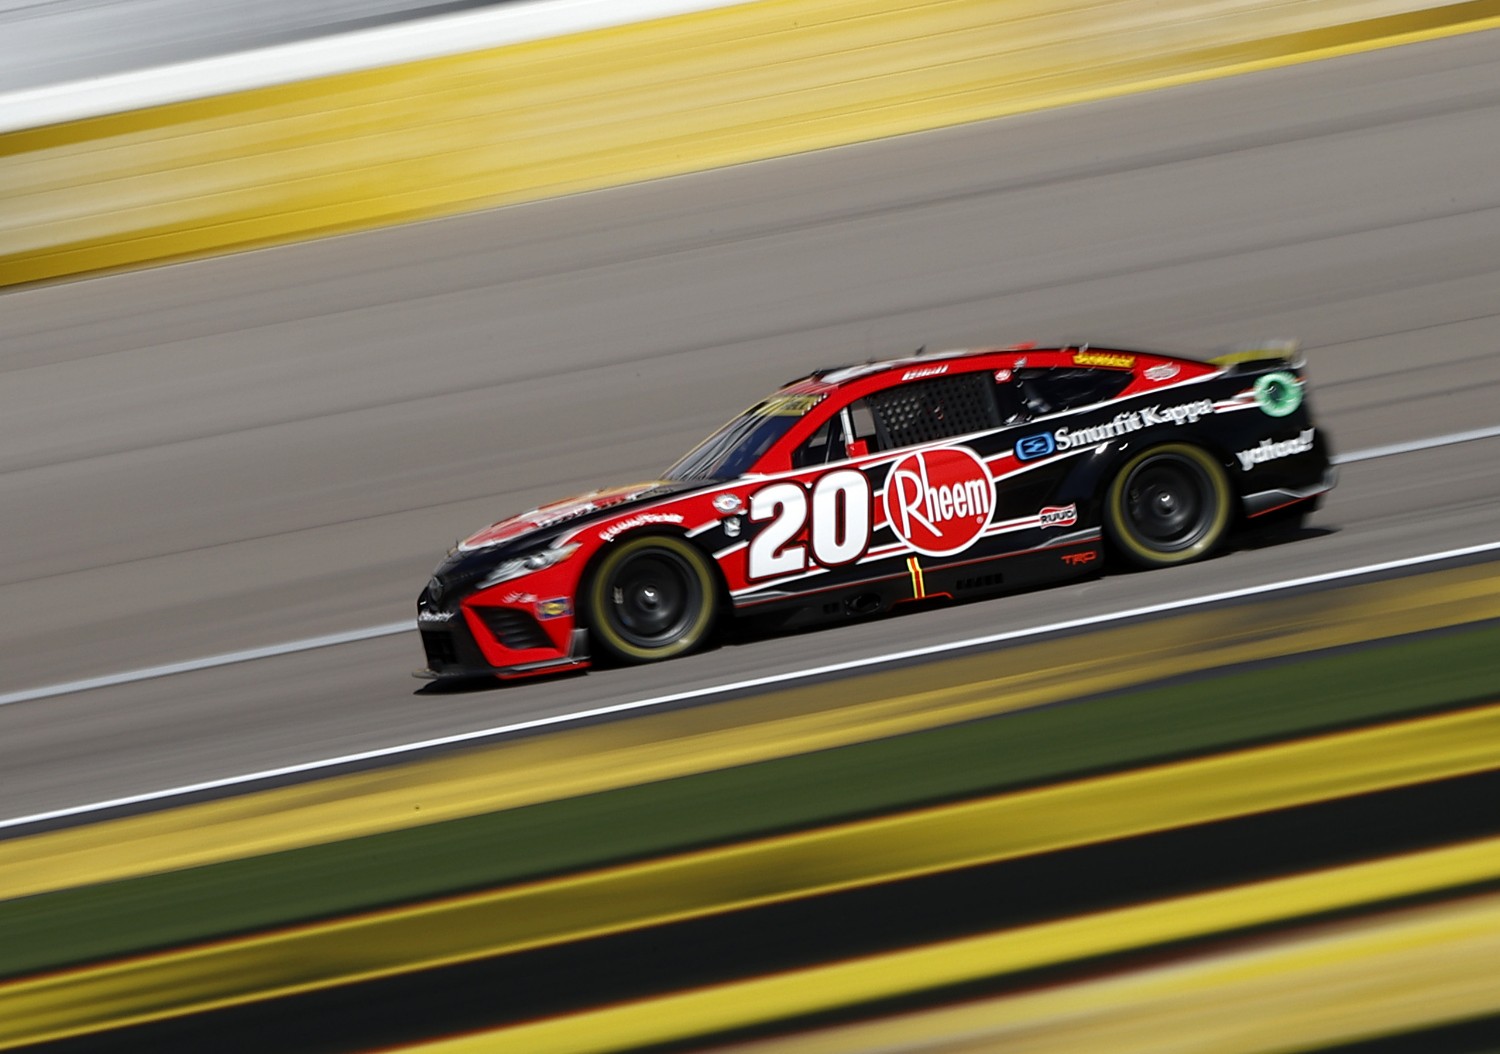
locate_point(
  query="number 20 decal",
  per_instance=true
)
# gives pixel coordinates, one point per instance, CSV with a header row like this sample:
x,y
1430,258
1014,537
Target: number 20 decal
x,y
838,530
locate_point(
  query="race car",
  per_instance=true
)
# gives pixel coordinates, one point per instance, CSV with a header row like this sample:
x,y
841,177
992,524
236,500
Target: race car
x,y
858,488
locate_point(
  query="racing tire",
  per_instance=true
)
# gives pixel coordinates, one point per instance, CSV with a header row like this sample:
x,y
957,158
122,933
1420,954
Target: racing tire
x,y
651,598
1168,505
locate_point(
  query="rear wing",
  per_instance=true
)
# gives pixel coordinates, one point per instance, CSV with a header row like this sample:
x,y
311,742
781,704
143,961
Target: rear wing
x,y
1260,354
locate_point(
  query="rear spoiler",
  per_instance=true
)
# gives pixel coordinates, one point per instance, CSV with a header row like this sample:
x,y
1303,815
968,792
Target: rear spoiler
x,y
1282,352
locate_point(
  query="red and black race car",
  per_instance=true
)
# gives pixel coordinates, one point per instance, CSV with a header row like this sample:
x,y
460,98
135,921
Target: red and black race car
x,y
857,488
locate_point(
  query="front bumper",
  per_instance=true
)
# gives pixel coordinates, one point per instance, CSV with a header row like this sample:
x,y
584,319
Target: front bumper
x,y
517,628
499,641
453,654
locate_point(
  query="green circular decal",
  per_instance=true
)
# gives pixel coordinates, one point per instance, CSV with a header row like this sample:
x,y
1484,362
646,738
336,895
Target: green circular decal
x,y
1278,394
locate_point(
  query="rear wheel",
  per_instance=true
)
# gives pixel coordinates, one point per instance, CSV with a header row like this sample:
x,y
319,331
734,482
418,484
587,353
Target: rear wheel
x,y
651,598
1168,505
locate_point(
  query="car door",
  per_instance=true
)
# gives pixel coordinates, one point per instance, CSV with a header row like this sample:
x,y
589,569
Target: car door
x,y
891,473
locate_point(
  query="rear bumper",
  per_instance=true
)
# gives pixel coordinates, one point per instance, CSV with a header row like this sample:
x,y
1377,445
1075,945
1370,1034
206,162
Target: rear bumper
x,y
1267,501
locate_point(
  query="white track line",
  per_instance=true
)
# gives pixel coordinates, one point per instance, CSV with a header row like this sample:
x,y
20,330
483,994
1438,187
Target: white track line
x,y
391,628
389,45
208,662
754,682
1371,453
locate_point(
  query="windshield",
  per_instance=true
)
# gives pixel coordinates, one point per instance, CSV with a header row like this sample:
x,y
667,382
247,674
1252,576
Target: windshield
x,y
733,449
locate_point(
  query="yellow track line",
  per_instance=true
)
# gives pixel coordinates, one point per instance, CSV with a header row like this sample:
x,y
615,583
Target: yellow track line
x,y
655,892
763,1000
621,105
1336,983
778,724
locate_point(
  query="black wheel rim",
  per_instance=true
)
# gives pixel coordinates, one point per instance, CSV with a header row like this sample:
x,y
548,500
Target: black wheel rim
x,y
653,599
1168,501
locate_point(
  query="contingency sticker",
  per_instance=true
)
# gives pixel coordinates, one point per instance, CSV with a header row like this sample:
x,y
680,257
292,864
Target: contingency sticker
x,y
1278,394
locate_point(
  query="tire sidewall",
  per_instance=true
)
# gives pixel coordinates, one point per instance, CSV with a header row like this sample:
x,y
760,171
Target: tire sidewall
x,y
1117,523
599,609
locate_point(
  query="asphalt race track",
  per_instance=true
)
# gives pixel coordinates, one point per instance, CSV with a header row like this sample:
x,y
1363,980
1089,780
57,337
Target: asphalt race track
x,y
241,452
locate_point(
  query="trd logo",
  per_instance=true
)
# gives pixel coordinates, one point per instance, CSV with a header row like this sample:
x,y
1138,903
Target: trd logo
x,y
1029,448
1077,559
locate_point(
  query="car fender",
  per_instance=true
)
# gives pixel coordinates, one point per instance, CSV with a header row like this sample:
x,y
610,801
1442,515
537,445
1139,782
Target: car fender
x,y
591,564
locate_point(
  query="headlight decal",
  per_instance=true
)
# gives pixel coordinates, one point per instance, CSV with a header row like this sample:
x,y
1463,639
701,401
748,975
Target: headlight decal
x,y
517,566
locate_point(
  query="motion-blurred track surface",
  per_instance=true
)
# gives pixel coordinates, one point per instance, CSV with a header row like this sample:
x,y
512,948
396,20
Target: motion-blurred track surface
x,y
238,452
68,40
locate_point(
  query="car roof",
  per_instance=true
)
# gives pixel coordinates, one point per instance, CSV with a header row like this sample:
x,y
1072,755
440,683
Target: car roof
x,y
831,378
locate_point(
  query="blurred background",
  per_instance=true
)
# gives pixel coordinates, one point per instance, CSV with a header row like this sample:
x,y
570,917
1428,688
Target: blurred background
x,y
52,42
292,296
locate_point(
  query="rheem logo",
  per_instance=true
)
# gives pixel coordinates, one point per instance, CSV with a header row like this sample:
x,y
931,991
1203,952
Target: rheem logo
x,y
939,501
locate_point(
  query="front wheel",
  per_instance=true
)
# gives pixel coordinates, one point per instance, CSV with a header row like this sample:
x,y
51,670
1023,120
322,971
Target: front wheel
x,y
1168,505
651,598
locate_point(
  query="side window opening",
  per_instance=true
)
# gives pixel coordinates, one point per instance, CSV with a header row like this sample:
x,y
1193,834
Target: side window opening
x,y
1048,391
862,425
1008,397
823,446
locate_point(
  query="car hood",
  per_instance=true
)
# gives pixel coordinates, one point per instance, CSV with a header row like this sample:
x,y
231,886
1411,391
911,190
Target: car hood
x,y
526,531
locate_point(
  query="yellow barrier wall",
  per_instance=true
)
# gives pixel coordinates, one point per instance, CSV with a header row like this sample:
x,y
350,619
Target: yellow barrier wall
x,y
654,892
1334,984
620,105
